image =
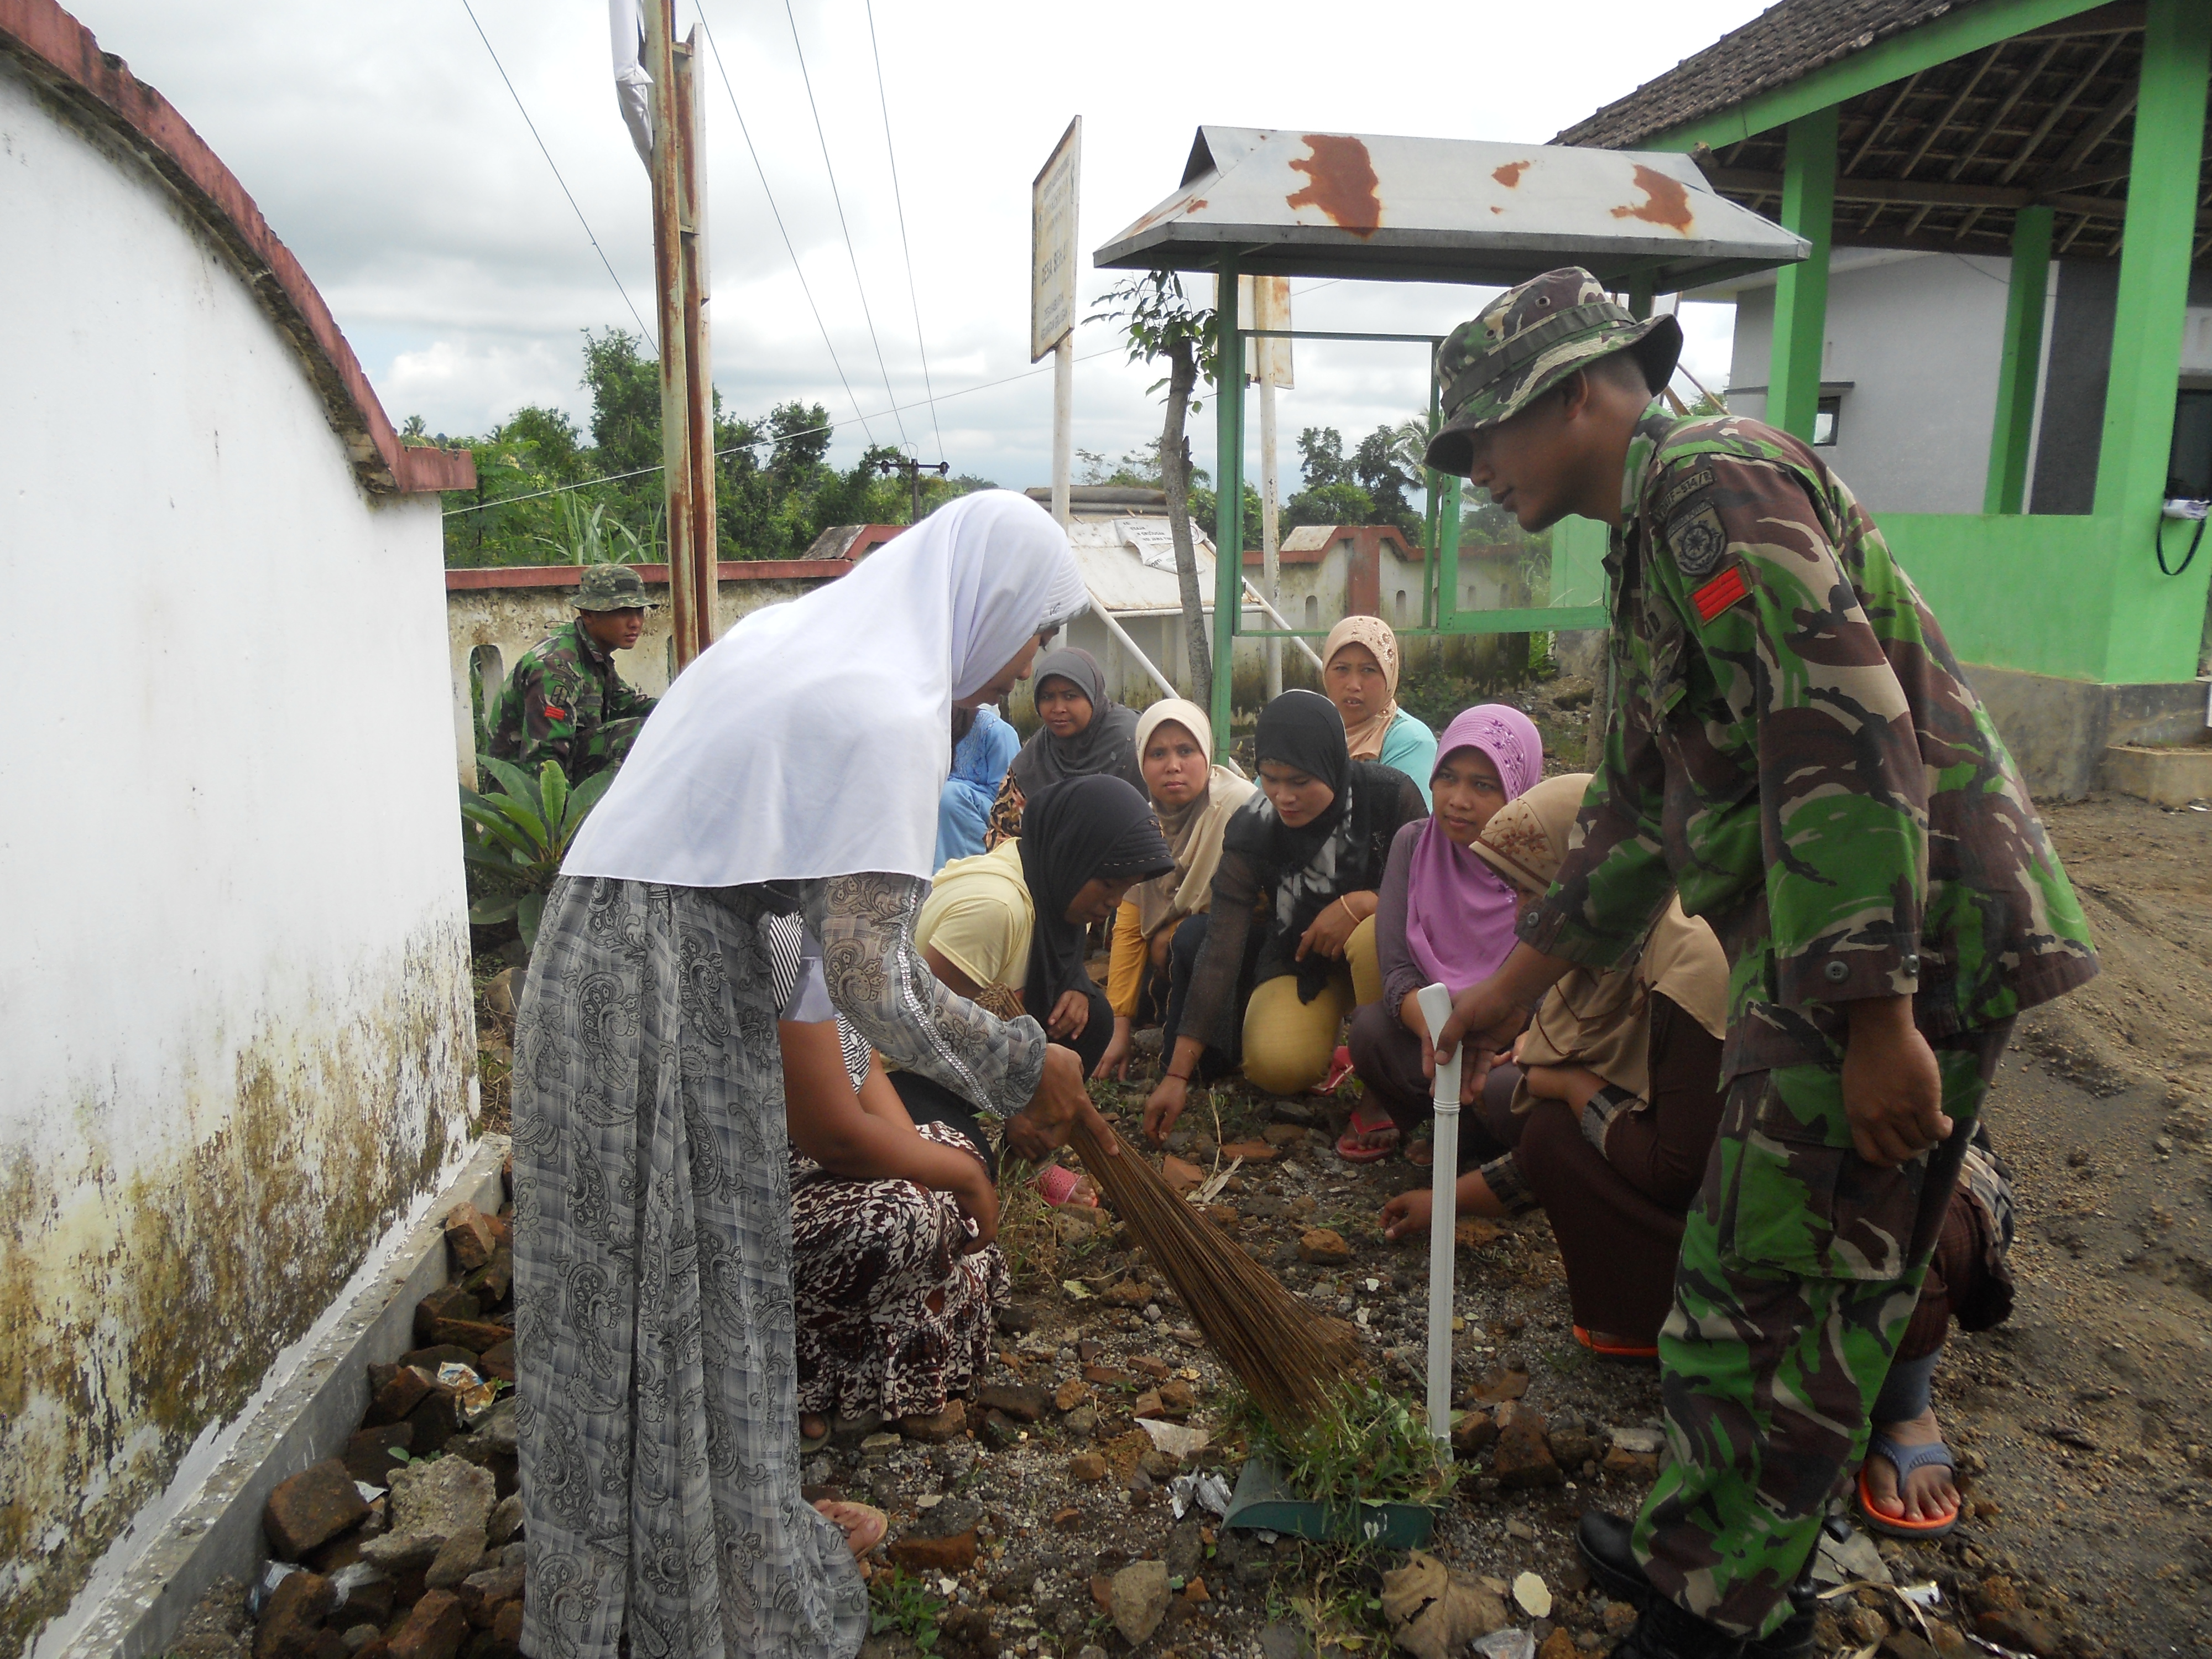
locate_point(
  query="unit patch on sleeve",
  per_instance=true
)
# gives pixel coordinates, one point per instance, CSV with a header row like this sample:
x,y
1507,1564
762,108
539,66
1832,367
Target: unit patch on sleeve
x,y
1698,540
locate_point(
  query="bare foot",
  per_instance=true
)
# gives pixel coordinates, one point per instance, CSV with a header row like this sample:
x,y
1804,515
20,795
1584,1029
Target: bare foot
x,y
863,1526
1929,1493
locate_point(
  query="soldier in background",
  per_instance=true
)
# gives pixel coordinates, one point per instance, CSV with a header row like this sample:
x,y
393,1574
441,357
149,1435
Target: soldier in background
x,y
565,701
1794,749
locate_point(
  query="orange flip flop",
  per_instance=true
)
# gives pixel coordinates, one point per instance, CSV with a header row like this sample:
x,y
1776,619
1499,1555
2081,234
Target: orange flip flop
x,y
1622,1351
1904,1460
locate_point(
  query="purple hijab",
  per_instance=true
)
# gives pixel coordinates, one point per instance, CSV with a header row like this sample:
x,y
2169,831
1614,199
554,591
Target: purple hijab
x,y
1459,912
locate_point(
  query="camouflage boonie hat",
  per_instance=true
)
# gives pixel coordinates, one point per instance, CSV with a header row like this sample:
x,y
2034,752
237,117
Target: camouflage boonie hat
x,y
612,587
1528,339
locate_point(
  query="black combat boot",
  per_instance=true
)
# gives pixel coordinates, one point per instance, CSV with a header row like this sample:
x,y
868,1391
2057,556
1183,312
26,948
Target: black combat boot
x,y
1663,1630
1603,1540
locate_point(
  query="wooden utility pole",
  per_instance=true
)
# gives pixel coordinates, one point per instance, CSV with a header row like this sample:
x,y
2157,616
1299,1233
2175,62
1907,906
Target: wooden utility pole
x,y
687,398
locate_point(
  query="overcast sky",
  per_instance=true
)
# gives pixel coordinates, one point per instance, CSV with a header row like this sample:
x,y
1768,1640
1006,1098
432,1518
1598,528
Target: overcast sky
x,y
382,145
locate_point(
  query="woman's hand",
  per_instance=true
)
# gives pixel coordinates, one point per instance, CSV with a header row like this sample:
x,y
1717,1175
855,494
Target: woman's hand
x,y
1409,1213
979,1202
1042,1127
1115,1062
1164,1106
1329,933
1069,1018
1411,1017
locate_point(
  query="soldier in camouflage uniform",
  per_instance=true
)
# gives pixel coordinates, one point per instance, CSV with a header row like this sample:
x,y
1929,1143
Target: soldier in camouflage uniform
x,y
565,701
1793,749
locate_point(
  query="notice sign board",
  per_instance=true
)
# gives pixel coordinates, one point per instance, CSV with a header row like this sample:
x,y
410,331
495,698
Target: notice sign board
x,y
1052,243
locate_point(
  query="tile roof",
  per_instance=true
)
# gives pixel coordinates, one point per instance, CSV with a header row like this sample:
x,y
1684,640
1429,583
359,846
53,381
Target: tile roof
x,y
1784,43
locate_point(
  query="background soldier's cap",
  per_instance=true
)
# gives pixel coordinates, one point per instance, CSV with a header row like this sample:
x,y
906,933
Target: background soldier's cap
x,y
1526,342
612,587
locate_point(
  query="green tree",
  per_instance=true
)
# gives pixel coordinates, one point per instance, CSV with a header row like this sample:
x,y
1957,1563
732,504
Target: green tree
x,y
1161,324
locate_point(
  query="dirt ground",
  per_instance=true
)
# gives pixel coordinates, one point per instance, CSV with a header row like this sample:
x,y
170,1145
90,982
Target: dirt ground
x,y
2083,1426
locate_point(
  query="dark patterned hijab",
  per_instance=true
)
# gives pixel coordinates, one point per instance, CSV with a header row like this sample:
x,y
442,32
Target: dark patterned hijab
x,y
1107,745
1341,851
1072,831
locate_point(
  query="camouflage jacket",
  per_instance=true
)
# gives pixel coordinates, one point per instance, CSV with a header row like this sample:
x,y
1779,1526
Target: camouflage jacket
x,y
565,702
1793,747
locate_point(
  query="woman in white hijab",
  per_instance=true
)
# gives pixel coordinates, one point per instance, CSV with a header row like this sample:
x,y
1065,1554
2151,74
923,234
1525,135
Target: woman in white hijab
x,y
792,769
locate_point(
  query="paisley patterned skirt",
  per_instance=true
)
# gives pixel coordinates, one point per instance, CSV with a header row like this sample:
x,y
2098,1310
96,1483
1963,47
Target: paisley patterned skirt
x,y
656,1382
892,1317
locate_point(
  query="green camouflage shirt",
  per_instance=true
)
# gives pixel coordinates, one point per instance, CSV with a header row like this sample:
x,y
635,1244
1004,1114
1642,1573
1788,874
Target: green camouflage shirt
x,y
1793,747
565,702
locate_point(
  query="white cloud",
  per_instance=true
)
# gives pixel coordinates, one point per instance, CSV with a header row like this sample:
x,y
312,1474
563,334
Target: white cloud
x,y
383,147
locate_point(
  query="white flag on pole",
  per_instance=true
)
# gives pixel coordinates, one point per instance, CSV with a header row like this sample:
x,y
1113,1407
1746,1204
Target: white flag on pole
x,y
632,95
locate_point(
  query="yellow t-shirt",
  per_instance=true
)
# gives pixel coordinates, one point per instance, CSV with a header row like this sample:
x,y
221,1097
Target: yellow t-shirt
x,y
978,917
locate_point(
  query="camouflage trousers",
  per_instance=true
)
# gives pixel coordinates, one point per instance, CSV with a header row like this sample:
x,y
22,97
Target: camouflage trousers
x,y
1801,1267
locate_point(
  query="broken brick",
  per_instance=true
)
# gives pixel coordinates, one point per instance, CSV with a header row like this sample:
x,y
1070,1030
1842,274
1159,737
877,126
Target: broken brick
x,y
434,1628
468,1237
318,1503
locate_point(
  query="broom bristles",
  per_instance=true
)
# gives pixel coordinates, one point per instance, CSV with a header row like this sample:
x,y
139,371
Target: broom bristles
x,y
1288,1357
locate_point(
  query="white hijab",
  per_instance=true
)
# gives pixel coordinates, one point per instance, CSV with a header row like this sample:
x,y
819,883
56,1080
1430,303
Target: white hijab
x,y
813,739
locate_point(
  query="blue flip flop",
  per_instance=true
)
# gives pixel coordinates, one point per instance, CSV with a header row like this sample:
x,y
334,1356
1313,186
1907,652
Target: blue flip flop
x,y
1904,1460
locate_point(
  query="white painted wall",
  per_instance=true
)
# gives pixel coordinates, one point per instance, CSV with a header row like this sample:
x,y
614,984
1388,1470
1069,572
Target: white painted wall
x,y
1920,335
233,985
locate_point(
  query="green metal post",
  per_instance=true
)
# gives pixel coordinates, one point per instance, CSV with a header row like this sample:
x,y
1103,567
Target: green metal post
x,y
1448,545
1801,291
1229,512
1639,295
2021,363
2156,620
1432,513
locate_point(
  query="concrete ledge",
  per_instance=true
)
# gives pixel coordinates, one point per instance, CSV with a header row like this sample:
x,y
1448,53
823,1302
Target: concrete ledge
x,y
308,1419
2169,777
2059,730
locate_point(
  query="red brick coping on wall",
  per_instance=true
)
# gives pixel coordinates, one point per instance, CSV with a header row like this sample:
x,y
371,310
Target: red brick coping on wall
x,y
481,577
60,55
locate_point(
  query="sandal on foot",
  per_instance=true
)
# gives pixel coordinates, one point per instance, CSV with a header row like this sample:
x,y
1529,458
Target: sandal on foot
x,y
1630,1353
1361,1129
1058,1183
1339,1068
1904,1460
863,1524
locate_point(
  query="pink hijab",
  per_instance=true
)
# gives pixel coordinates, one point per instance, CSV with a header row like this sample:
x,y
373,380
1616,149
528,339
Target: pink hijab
x,y
1459,911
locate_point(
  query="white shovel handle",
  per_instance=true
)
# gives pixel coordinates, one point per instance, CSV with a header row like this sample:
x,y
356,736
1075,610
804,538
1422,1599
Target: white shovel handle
x,y
1435,1009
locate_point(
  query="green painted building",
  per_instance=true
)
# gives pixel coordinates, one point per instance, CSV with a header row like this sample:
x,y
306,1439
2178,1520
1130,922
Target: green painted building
x,y
2015,132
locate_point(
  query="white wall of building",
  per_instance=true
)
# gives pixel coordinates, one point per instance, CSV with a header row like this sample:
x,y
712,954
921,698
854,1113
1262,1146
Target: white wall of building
x,y
1920,336
234,983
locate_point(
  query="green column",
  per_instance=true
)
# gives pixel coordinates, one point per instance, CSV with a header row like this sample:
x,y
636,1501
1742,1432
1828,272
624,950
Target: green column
x,y
1639,295
2155,619
2021,363
1801,290
1229,514
1448,514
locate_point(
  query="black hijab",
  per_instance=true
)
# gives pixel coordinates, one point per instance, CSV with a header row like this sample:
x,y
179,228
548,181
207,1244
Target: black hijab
x,y
1072,831
1342,851
1107,745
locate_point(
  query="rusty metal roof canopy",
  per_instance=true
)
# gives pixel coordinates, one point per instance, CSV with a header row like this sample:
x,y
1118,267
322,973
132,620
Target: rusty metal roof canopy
x,y
1445,211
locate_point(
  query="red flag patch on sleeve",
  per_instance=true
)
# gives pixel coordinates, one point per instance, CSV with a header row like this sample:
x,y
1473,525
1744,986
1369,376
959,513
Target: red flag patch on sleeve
x,y
1718,594
553,713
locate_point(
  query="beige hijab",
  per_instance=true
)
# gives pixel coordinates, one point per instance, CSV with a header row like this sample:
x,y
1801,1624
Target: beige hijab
x,y
1366,739
1193,830
1601,1021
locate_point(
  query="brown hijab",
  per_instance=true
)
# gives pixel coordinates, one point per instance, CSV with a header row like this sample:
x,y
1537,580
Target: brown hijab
x,y
1600,1021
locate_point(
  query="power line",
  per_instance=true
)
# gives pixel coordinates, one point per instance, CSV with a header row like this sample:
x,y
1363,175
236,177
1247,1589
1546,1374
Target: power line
x,y
612,477
836,196
797,269
558,179
898,197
